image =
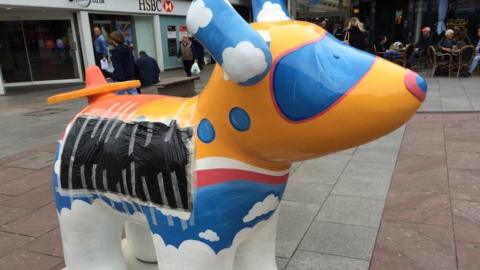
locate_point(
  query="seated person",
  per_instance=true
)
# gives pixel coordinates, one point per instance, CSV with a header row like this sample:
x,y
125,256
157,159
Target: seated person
x,y
381,44
421,47
447,44
476,57
148,69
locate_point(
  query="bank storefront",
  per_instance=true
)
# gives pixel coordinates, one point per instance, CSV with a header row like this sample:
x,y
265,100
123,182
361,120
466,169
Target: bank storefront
x,y
47,42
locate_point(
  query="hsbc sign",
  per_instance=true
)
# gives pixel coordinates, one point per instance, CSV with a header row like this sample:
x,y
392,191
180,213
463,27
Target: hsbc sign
x,y
86,3
168,6
156,5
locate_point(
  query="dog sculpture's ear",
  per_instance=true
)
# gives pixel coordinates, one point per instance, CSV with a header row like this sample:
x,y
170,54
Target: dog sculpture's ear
x,y
269,10
241,51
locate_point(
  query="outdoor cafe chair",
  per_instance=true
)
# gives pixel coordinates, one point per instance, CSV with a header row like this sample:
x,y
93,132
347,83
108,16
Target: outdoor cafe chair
x,y
465,58
437,60
403,61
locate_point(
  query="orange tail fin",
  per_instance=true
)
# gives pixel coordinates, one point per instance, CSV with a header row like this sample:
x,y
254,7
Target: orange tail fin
x,y
95,87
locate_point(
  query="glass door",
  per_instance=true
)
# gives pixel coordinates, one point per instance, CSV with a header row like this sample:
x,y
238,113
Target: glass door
x,y
49,49
13,54
38,51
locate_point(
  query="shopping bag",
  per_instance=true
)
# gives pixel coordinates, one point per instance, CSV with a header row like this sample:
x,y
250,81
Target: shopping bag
x,y
106,65
195,69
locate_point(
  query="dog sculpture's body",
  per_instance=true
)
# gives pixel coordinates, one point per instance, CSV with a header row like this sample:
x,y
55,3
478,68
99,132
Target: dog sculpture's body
x,y
203,176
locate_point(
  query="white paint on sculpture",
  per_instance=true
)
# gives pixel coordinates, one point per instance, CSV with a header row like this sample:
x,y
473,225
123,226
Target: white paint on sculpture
x,y
198,16
209,235
174,213
193,254
264,207
101,226
223,162
271,13
243,62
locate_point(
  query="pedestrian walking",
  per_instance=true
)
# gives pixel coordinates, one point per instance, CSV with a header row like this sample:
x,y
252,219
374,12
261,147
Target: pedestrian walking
x,y
187,55
148,70
122,61
476,56
356,35
198,52
101,46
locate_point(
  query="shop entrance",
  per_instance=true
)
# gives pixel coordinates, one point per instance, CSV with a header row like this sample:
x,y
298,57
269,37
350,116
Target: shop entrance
x,y
38,52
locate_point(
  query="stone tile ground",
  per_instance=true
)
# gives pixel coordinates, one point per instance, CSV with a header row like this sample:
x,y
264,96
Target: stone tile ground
x,y
431,218
452,95
333,215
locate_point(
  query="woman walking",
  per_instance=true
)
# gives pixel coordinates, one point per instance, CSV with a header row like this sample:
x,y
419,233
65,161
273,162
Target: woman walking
x,y
356,35
122,61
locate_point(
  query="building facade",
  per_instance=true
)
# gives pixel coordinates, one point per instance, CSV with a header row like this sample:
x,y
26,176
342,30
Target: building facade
x,y
402,20
49,42
399,20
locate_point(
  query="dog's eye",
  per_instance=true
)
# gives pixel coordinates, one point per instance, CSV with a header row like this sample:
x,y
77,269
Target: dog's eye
x,y
309,80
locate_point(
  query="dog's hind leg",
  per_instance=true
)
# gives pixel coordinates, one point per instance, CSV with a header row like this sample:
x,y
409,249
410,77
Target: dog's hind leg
x,y
91,235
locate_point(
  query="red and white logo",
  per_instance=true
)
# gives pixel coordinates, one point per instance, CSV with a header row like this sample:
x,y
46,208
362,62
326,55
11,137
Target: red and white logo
x,y
168,6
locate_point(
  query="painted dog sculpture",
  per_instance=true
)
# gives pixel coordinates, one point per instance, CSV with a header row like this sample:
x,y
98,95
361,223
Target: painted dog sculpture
x,y
197,181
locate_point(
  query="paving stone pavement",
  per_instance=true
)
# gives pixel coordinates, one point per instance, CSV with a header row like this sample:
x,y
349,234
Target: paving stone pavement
x,y
431,218
452,94
343,211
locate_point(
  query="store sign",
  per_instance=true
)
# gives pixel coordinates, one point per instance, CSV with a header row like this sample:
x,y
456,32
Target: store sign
x,y
86,3
155,5
183,30
168,6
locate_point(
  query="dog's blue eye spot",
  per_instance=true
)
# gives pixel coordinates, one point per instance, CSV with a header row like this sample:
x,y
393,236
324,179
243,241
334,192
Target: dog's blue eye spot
x,y
240,119
205,131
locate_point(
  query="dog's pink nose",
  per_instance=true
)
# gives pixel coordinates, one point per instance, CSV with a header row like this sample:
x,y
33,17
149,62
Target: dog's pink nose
x,y
416,85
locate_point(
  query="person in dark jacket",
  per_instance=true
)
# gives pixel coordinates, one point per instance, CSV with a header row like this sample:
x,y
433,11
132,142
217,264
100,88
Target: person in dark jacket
x,y
356,35
199,53
122,61
447,44
381,44
421,47
338,31
148,70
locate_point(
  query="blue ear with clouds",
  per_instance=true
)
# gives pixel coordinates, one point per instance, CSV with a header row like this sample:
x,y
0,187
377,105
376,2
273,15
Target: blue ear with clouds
x,y
241,51
269,10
